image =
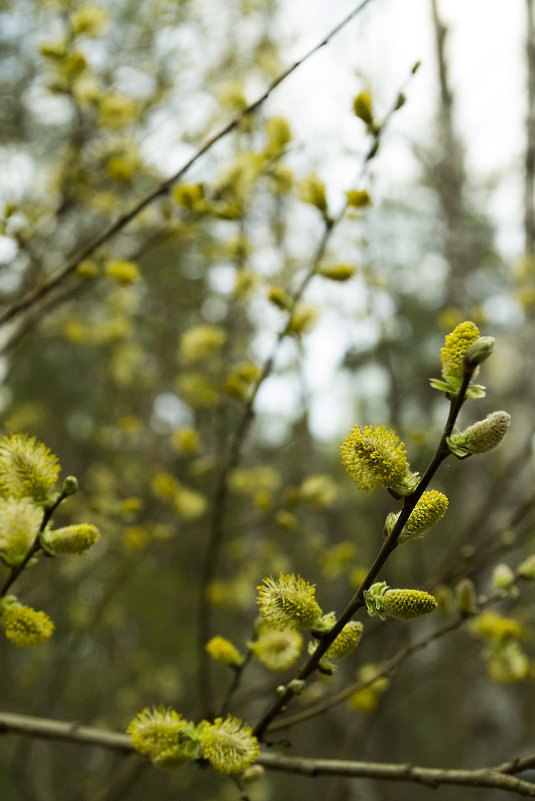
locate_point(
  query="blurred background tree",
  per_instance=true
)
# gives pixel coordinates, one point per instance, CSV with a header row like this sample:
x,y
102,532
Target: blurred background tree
x,y
201,406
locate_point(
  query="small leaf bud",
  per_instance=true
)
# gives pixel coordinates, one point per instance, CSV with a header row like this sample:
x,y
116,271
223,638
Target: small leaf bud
x,y
466,596
296,686
502,577
480,350
70,485
362,106
252,774
526,569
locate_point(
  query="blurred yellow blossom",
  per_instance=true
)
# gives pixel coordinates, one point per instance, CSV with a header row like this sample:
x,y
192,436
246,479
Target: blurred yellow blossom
x,y
89,20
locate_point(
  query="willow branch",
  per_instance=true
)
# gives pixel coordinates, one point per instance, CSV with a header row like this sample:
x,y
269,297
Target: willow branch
x,y
500,777
442,452
388,667
432,777
42,290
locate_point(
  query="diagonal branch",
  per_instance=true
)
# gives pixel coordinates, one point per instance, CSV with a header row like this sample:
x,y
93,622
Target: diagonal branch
x,y
42,290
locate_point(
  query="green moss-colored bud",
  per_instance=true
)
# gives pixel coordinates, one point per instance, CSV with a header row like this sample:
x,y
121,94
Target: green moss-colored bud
x,y
466,596
503,577
480,350
296,686
252,774
480,437
526,569
70,485
376,459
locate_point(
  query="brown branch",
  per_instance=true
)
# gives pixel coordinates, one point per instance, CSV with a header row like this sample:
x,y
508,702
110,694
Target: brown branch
x,y
64,730
41,291
357,602
500,777
432,777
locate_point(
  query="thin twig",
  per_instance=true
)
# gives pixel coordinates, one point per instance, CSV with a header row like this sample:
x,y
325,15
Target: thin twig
x,y
238,438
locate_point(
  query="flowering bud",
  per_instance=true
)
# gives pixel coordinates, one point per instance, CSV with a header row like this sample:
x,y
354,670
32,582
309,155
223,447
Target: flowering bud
x,y
456,346
288,602
71,539
162,735
28,469
346,642
277,649
376,459
429,510
224,652
24,626
229,745
407,604
481,436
